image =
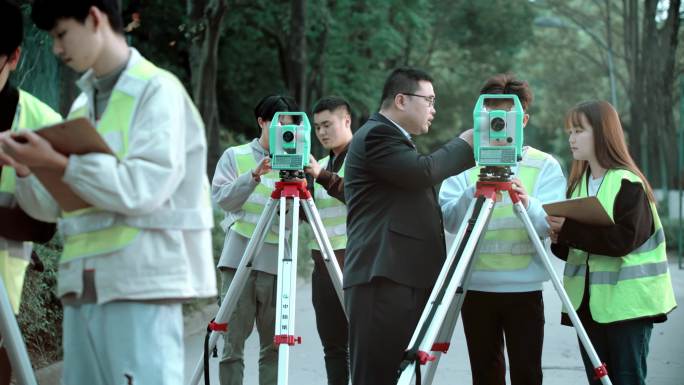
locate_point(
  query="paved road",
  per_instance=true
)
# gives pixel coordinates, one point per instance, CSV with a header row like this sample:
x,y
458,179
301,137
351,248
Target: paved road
x,y
561,360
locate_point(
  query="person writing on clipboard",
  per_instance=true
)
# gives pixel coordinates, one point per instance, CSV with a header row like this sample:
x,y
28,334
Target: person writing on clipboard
x,y
18,110
144,244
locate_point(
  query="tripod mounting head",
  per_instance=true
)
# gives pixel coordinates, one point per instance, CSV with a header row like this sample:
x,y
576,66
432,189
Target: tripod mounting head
x,y
495,174
290,175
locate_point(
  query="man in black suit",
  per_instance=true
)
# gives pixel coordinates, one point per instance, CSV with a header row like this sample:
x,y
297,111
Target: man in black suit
x,y
395,246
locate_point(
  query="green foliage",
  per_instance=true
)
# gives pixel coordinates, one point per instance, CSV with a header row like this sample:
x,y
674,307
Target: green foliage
x,y
492,32
556,88
348,55
163,35
475,40
40,315
359,55
38,66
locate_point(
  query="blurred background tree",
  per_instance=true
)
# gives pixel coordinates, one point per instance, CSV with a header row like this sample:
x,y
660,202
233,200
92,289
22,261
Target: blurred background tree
x,y
230,53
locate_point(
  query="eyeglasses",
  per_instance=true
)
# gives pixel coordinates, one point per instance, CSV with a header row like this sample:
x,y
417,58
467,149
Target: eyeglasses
x,y
429,99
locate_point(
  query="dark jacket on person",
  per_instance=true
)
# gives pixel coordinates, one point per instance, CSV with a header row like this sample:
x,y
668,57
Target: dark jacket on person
x,y
394,222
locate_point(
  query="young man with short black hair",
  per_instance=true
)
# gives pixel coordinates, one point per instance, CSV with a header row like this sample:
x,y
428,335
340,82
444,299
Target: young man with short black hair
x,y
504,297
242,184
332,126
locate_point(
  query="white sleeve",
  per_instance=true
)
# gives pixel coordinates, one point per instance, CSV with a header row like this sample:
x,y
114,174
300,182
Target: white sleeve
x,y
455,197
154,166
550,187
34,199
228,189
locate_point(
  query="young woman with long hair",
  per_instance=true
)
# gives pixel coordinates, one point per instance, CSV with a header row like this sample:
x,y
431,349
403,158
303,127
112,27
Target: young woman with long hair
x,y
616,276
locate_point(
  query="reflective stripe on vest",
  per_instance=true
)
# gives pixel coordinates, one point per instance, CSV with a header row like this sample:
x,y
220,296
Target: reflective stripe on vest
x,y
165,219
506,245
8,175
333,214
621,288
12,271
7,186
31,114
254,206
17,249
114,127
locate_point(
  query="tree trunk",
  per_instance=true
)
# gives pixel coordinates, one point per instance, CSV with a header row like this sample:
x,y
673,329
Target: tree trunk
x,y
207,17
296,53
317,87
651,67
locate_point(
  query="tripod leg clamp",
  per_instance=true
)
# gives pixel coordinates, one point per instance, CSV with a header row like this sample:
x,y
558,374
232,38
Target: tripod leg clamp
x,y
424,357
217,327
441,347
600,371
286,339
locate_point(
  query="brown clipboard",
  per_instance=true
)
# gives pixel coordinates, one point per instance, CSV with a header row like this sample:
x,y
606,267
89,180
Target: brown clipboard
x,y
584,210
70,137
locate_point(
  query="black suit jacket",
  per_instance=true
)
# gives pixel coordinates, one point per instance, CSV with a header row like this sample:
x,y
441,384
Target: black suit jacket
x,y
394,223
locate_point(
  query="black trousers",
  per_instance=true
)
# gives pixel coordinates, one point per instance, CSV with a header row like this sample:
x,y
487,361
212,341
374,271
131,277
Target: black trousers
x,y
330,322
519,317
383,315
5,367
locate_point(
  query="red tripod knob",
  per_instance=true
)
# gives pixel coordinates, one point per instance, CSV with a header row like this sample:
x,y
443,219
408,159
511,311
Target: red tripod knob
x,y
286,339
424,357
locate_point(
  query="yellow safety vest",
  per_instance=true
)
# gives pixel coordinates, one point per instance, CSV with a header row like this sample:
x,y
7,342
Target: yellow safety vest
x,y
256,202
91,231
621,288
506,245
31,114
333,214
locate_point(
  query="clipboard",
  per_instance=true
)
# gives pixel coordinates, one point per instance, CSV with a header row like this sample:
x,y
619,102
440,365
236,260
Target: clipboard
x,y
77,137
584,210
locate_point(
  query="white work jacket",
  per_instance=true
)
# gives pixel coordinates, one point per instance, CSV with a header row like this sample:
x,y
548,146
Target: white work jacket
x,y
164,170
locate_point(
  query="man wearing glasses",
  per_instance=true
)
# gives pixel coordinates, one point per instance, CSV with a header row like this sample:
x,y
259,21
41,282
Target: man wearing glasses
x,y
395,246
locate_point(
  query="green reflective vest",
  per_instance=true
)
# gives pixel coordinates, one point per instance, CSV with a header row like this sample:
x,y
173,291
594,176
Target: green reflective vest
x,y
30,114
634,286
333,214
506,245
92,231
256,202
